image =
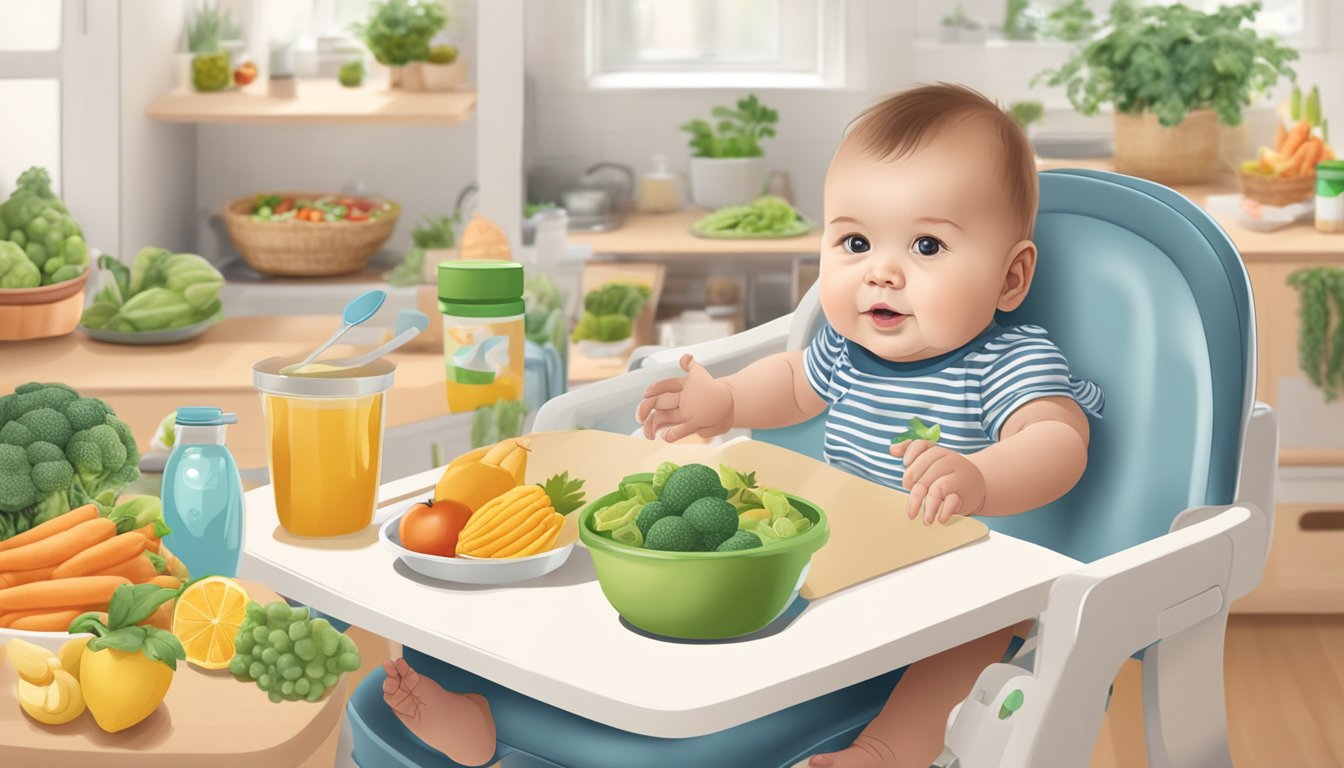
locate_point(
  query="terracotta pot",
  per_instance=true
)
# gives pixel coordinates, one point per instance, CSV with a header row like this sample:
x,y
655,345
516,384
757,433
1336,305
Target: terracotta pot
x,y
1185,153
444,77
49,310
413,76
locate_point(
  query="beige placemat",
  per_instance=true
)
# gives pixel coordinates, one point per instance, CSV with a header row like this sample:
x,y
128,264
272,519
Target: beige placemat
x,y
870,534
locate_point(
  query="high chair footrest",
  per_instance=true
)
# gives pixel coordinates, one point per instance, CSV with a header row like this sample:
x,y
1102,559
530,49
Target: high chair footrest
x,y
527,728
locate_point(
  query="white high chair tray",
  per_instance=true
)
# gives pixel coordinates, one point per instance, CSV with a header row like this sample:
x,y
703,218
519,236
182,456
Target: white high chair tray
x,y
557,639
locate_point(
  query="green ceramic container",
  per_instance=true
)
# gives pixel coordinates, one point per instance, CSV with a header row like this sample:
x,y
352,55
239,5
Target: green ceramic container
x,y
701,595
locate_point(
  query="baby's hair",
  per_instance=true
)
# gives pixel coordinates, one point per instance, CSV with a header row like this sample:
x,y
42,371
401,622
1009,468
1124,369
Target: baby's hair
x,y
901,123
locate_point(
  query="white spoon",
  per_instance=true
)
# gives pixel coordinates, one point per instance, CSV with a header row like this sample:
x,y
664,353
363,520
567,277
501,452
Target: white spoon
x,y
409,325
363,307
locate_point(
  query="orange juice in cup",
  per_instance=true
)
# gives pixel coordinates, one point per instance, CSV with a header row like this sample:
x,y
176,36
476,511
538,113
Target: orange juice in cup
x,y
324,444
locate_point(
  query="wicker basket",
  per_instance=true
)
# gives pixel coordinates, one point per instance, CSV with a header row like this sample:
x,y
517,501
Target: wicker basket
x,y
36,313
1183,154
304,248
1277,190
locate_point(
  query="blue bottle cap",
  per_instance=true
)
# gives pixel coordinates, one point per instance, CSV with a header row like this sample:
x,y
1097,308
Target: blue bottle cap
x,y
204,417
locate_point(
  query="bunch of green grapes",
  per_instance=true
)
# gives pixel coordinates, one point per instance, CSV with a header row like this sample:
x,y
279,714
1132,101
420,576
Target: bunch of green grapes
x,y
289,655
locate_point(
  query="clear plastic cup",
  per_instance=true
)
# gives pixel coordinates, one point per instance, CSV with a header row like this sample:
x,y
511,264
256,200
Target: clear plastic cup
x,y
324,444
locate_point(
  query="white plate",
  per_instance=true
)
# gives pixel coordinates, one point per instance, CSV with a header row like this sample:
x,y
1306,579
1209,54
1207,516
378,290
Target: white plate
x,y
52,641
471,570
140,338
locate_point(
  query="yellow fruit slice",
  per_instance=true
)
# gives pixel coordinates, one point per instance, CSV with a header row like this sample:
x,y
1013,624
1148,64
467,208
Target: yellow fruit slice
x,y
524,528
473,484
70,654
31,661
206,620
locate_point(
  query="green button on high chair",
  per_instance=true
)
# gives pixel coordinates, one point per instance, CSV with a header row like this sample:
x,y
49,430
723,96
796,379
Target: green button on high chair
x,y
1147,297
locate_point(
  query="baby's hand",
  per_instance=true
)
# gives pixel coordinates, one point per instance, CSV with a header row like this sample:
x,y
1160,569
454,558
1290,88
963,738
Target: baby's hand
x,y
947,483
696,404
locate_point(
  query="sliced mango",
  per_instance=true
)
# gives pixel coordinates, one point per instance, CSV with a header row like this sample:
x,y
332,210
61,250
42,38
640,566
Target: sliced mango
x,y
473,484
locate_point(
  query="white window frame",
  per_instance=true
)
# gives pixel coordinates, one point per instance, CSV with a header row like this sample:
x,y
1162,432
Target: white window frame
x,y
838,59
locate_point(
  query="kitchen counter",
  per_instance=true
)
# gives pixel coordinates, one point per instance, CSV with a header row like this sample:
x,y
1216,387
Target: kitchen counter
x,y
670,234
144,383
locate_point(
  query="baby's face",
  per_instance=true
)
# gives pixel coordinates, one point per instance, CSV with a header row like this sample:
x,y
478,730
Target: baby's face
x,y
915,250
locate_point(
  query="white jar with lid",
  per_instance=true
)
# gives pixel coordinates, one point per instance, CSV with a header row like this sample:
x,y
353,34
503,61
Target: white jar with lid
x,y
660,189
1330,196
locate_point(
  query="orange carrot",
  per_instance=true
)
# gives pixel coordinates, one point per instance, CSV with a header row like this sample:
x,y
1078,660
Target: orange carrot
x,y
150,536
1311,155
138,569
54,550
1295,138
15,578
61,593
53,621
102,555
1279,136
52,527
164,580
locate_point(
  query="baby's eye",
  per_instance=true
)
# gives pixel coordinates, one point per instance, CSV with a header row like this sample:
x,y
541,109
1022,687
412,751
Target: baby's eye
x,y
856,244
928,246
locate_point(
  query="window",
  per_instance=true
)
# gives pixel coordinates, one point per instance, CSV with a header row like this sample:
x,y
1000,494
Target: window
x,y
716,43
30,85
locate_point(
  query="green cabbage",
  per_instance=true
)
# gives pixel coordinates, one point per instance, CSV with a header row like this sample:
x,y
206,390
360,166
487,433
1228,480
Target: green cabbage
x,y
160,291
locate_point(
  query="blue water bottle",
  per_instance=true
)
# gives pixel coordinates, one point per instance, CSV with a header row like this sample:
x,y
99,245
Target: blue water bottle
x,y
203,494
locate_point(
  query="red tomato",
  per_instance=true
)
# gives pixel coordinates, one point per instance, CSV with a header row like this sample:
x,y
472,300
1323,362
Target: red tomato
x,y
432,527
356,215
285,205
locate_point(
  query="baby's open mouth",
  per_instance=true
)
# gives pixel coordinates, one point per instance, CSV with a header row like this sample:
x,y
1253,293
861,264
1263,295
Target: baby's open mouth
x,y
884,316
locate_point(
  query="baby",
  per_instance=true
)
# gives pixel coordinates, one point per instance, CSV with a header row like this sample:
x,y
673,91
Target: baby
x,y
929,206
930,202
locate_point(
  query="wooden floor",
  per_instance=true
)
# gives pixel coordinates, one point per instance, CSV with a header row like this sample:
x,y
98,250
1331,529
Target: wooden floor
x,y
1285,696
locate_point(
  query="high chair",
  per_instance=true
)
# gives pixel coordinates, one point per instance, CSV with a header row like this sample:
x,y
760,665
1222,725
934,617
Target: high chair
x,y
1147,297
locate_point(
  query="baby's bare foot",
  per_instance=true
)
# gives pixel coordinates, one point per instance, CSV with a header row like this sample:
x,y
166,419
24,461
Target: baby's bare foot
x,y
867,751
458,725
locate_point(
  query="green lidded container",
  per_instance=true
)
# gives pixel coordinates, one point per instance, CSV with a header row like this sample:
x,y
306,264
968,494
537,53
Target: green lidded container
x,y
1330,196
483,341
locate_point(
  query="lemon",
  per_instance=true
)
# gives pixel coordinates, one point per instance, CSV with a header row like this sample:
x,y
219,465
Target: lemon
x,y
206,620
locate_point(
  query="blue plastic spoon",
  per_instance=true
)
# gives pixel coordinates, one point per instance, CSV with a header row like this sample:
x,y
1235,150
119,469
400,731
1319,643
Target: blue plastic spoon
x,y
363,307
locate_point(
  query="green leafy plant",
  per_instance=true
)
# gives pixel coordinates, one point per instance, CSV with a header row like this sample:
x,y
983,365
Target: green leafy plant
x,y
1320,341
918,430
738,132
499,421
398,32
203,27
609,311
130,605
1025,113
352,73
1170,60
434,232
159,291
1018,22
1071,22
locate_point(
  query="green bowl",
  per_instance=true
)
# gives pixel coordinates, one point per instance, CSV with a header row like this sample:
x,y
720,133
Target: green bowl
x,y
701,595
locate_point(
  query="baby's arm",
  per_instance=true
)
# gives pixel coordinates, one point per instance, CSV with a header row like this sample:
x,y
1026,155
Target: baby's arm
x,y
771,392
1040,455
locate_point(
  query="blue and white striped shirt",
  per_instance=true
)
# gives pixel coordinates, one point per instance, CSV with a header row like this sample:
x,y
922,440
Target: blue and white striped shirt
x,y
970,392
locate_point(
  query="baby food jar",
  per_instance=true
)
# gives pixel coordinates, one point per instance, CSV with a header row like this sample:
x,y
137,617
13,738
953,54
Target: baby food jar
x,y
324,444
482,307
1330,196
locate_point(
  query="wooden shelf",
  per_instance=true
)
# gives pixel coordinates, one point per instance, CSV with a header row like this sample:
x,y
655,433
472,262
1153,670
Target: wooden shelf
x,y
317,101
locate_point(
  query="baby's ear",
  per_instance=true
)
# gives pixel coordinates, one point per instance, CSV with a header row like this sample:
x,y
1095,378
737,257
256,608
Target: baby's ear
x,y
1017,279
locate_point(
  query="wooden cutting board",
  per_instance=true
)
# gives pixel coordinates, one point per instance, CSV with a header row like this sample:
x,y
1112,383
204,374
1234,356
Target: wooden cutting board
x,y
870,533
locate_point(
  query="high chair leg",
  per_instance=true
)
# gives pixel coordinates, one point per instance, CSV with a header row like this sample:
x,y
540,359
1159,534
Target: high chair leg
x,y
1184,712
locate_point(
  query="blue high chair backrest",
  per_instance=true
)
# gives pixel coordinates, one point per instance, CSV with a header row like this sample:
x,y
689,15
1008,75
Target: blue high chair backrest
x,y
1147,297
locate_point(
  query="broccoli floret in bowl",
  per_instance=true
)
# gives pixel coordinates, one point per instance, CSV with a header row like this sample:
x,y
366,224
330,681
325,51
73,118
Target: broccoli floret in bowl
x,y
731,589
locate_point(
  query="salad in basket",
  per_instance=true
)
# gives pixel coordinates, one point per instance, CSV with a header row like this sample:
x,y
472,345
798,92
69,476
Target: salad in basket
x,y
328,208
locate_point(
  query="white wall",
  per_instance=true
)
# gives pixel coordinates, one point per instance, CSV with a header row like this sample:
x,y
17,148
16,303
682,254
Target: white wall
x,y
568,118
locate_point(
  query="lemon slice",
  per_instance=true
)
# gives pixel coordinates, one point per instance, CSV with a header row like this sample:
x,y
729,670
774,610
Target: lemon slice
x,y
206,620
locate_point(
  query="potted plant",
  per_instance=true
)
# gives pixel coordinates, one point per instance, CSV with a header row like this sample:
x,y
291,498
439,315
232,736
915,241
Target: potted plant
x,y
957,27
1020,20
398,32
1313,420
1155,64
1071,22
1026,113
443,69
205,66
728,164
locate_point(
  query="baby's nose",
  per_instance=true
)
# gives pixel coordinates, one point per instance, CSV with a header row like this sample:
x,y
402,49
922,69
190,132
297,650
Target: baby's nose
x,y
886,277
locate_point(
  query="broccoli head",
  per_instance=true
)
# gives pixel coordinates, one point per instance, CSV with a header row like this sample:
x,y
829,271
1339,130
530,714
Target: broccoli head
x,y
713,519
650,514
56,450
688,484
672,534
36,221
740,541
